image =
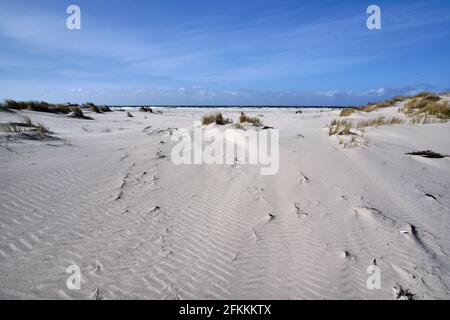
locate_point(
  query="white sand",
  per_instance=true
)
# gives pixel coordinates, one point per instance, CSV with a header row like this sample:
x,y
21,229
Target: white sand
x,y
139,226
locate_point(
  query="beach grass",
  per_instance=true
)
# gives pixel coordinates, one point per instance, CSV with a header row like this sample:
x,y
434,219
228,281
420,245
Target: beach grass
x,y
243,118
377,122
42,106
340,127
427,107
347,112
146,109
215,118
28,128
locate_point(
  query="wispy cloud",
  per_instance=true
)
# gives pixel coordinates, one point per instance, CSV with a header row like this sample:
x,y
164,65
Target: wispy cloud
x,y
271,48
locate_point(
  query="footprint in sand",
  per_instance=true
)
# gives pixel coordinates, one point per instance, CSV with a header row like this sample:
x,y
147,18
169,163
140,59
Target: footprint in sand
x,y
303,178
298,209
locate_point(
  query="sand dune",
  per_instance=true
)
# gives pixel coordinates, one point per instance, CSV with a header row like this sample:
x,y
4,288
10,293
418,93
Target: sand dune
x,y
110,200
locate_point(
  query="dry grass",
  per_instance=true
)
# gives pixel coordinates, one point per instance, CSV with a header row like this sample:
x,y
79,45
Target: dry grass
x,y
380,121
215,118
95,109
344,127
383,104
146,109
105,109
243,118
77,113
340,127
425,94
27,129
426,108
41,106
347,112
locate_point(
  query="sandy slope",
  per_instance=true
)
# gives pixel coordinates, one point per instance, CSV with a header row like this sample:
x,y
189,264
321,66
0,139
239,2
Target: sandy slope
x,y
141,227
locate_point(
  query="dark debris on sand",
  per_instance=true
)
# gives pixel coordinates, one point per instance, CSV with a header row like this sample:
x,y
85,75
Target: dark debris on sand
x,y
427,154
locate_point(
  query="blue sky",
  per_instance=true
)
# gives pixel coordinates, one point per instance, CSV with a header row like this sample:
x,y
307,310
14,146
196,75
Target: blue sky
x,y
222,52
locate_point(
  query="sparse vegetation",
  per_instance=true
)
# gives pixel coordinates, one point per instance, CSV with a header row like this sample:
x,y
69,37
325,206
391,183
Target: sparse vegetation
x,y
243,118
347,112
105,109
41,106
146,109
372,106
216,118
26,129
345,128
129,115
380,121
425,94
340,127
77,113
426,108
95,109
382,104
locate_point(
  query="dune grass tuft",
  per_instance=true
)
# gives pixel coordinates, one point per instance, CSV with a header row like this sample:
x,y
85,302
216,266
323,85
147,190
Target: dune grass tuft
x,y
41,106
105,109
344,127
243,118
95,109
340,127
27,128
77,113
380,121
427,107
383,104
146,109
347,112
215,118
